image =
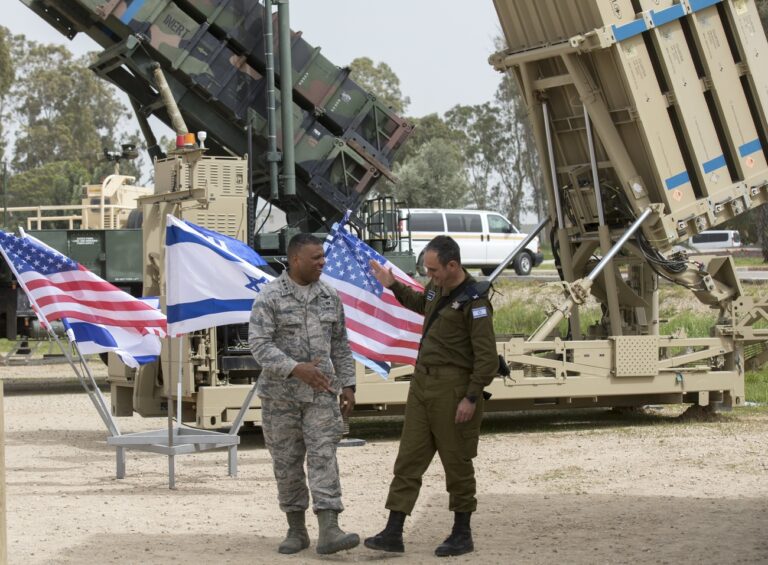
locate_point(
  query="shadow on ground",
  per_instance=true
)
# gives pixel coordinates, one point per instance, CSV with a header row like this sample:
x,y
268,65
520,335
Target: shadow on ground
x,y
390,427
577,529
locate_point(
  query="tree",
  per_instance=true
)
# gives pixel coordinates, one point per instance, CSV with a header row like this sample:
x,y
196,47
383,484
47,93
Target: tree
x,y
517,164
64,112
381,81
53,184
428,128
433,178
65,117
6,80
762,9
499,151
756,218
474,124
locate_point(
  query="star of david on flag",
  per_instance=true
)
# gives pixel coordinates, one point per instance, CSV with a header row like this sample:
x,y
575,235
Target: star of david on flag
x,y
211,278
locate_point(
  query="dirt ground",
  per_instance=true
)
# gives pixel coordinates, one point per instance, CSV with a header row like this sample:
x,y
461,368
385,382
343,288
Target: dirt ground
x,y
584,488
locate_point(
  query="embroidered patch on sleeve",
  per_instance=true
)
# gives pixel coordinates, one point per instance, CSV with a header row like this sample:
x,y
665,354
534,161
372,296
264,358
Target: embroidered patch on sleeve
x,y
430,296
481,312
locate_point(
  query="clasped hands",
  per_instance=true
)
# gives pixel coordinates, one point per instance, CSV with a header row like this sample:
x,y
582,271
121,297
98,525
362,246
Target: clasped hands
x,y
309,373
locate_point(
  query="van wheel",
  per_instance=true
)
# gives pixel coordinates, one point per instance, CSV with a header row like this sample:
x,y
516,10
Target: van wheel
x,y
420,265
487,271
524,264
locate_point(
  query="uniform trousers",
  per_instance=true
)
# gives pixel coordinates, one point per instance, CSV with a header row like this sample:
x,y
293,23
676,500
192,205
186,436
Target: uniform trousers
x,y
430,427
295,431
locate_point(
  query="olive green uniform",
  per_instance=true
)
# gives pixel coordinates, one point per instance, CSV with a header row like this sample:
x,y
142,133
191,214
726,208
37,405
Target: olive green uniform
x,y
457,358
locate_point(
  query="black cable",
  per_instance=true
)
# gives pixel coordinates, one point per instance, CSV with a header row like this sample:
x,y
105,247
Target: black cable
x,y
265,217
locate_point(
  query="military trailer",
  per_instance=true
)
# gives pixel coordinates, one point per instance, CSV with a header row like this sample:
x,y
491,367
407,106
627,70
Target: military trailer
x,y
650,120
102,233
649,116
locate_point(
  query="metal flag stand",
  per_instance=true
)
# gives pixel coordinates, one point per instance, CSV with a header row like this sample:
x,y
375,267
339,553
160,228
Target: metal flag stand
x,y
179,439
176,440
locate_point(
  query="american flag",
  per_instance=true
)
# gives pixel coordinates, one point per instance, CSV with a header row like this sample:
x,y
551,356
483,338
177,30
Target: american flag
x,y
378,326
59,287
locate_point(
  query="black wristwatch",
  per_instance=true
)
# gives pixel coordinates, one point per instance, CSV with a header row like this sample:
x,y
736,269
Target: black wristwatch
x,y
472,398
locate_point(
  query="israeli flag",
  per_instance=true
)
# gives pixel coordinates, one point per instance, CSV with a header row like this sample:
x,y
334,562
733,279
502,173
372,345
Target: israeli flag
x,y
211,279
129,344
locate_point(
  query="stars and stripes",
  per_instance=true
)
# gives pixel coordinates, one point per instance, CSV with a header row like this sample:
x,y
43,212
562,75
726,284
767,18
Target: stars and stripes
x,y
59,287
379,328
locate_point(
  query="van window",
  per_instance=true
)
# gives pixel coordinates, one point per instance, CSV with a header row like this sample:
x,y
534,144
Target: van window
x,y
464,222
427,222
714,237
736,237
499,224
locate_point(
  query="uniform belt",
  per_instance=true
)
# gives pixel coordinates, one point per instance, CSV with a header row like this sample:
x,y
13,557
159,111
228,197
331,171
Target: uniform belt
x,y
441,371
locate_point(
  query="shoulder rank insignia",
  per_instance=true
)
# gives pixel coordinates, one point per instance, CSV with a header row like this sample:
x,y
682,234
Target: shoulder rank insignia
x,y
430,295
456,305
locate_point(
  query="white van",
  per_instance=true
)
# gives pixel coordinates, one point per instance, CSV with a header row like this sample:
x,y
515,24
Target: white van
x,y
485,238
713,240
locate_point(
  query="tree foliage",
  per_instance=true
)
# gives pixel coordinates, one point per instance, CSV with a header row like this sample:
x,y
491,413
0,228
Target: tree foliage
x,y
428,128
64,112
433,177
6,79
380,80
63,117
56,183
499,150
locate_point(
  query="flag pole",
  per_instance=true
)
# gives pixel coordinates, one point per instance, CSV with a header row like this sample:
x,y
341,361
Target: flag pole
x,y
94,393
171,457
178,386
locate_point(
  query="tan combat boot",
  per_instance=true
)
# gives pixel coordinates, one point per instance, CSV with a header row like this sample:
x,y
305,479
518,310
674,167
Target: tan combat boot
x,y
297,537
332,538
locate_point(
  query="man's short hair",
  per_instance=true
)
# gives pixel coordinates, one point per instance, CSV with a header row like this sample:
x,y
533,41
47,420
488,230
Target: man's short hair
x,y
300,240
446,249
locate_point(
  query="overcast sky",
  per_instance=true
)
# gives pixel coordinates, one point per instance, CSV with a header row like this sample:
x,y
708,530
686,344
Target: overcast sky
x,y
438,48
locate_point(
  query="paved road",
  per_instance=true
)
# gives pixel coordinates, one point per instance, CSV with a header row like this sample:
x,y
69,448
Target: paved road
x,y
550,275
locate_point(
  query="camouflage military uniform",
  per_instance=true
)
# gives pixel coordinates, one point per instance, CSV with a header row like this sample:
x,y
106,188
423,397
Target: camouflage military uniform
x,y
297,421
457,358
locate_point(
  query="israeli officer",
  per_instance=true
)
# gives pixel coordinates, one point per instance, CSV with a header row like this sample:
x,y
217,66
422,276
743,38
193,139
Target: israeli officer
x,y
456,360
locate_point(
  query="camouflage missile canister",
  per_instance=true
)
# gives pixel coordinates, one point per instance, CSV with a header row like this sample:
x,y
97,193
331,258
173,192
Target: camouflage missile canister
x,y
212,53
319,85
242,19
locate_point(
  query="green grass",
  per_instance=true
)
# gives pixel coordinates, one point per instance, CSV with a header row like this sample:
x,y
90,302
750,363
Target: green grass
x,y
756,384
695,325
523,316
749,261
5,345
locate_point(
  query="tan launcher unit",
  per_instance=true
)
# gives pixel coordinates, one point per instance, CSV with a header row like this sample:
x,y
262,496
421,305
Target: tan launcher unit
x,y
651,127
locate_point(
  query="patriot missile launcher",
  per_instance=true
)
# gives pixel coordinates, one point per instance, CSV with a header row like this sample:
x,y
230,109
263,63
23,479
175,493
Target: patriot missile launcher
x,y
212,54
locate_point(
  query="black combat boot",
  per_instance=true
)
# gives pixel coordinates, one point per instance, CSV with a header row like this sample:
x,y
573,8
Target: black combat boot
x,y
391,537
460,540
